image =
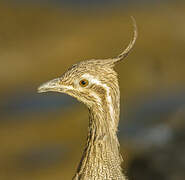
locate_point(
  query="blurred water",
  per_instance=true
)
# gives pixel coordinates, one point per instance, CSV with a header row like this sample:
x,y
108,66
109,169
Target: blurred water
x,y
24,103
147,121
155,107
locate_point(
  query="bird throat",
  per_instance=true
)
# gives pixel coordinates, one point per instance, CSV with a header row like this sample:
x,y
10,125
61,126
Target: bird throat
x,y
101,159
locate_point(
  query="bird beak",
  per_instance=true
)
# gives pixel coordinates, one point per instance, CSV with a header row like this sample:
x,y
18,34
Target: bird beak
x,y
52,85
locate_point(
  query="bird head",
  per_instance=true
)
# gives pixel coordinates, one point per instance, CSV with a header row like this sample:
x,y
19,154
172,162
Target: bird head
x,y
89,81
86,81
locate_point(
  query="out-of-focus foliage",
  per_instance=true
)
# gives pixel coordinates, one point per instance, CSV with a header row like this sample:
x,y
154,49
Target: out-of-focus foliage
x,y
42,136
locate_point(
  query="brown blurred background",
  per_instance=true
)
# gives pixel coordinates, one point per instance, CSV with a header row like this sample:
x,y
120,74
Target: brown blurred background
x,y
42,135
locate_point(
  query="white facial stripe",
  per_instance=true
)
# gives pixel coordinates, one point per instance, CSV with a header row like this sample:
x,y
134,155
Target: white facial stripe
x,y
96,81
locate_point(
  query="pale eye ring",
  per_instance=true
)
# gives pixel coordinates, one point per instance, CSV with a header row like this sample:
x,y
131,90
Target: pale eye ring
x,y
84,82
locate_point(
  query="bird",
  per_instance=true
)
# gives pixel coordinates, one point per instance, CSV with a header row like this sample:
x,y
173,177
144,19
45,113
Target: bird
x,y
95,83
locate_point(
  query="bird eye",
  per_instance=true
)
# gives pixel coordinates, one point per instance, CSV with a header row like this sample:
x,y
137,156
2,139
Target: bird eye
x,y
84,82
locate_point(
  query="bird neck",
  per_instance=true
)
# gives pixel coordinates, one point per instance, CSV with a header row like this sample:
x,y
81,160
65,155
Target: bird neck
x,y
101,158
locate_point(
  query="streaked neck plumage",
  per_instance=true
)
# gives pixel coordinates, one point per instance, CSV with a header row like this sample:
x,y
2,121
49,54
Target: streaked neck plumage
x,y
101,158
95,83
